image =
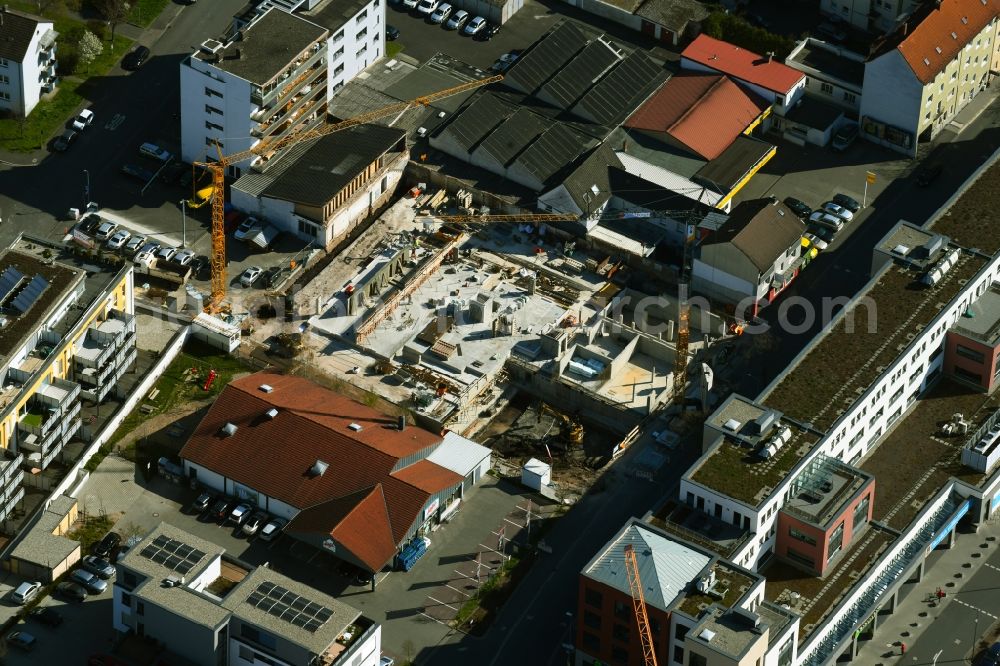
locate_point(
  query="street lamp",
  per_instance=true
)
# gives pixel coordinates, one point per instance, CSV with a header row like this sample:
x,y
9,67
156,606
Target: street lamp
x,y
183,223
86,189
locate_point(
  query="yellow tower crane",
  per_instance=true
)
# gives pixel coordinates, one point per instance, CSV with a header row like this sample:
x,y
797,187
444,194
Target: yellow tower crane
x,y
267,148
639,606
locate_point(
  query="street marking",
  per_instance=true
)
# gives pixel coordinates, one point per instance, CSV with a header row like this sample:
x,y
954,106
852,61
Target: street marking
x,y
115,122
464,594
438,601
518,526
435,619
978,610
987,564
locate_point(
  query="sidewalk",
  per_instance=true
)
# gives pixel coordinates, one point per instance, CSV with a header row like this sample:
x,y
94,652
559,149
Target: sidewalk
x,y
913,616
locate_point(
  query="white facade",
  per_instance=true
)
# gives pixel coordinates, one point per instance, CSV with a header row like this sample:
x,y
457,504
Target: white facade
x,y
891,95
217,105
823,84
870,15
22,83
218,483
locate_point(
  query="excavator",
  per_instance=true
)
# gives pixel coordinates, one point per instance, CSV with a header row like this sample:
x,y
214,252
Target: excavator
x,y
572,430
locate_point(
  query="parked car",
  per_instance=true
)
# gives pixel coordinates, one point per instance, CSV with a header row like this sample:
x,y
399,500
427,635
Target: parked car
x,y
25,592
46,615
250,275
457,20
83,120
815,241
118,239
142,258
134,243
240,513
88,580
391,33
798,207
151,247
22,640
202,502
200,267
63,142
108,545
89,224
105,231
475,25
386,661
145,175
99,567
488,32
221,508
504,62
928,174
71,591
441,14
248,228
427,7
838,211
845,136
173,171
824,219
823,233
184,257
254,523
272,529
155,152
847,202
135,58
166,253
410,4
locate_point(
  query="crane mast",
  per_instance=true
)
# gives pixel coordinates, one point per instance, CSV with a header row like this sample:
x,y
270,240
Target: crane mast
x,y
639,606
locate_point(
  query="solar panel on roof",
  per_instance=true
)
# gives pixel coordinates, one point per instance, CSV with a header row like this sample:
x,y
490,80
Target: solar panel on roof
x,y
30,294
148,551
300,603
184,551
9,280
160,541
289,606
324,614
313,625
183,567
265,587
172,554
195,555
300,621
160,557
173,562
254,598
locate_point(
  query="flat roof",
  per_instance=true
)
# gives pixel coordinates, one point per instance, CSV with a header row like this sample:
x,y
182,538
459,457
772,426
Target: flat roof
x,y
731,584
60,279
813,597
256,591
822,58
815,113
734,163
266,48
848,362
821,491
981,320
724,631
333,14
40,546
971,220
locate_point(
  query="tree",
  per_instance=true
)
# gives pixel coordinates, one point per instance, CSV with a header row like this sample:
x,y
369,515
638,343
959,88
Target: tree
x,y
115,12
90,47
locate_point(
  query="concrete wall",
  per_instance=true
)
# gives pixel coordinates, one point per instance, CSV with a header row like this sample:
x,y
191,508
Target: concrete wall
x,y
892,95
235,105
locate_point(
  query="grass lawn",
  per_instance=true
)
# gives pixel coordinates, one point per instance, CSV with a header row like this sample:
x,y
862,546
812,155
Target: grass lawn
x,y
93,530
50,116
145,12
32,420
392,49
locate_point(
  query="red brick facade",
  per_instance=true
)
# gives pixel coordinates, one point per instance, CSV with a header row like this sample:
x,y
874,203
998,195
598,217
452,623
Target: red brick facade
x,y
606,628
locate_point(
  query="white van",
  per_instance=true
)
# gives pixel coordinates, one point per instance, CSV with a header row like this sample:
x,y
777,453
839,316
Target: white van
x,y
154,151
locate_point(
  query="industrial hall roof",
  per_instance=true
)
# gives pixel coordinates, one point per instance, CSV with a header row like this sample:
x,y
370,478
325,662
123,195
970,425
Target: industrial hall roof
x,y
353,473
741,64
762,231
318,174
703,112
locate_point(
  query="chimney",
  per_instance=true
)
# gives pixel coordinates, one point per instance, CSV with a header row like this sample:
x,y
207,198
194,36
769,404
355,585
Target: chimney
x,y
770,56
906,27
402,422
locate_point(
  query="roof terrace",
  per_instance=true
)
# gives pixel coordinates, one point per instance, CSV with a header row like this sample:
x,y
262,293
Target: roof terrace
x,y
730,585
865,341
982,320
823,488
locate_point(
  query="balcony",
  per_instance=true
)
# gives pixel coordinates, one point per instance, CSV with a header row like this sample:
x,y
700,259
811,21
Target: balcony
x,y
297,109
267,95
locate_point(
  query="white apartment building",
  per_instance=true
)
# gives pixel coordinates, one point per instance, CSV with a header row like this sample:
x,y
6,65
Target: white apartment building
x,y
935,63
274,73
879,16
27,60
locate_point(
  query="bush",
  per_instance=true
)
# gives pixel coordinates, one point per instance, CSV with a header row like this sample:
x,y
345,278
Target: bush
x,y
736,30
99,28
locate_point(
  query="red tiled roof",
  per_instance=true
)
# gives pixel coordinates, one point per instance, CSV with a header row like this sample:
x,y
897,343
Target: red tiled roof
x,y
274,457
705,112
742,64
929,46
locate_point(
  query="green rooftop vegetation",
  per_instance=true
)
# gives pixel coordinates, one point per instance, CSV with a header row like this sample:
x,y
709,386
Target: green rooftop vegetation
x,y
733,583
972,220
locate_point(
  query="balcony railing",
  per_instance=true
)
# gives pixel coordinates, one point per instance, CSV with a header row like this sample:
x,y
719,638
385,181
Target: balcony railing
x,y
278,89
299,109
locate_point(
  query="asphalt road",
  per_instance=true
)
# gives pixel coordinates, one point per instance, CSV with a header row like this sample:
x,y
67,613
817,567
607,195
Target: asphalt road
x,y
130,108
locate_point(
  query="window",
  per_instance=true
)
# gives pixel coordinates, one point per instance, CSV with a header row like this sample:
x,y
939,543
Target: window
x,y
362,16
850,97
361,51
5,95
257,636
861,512
361,35
678,654
973,377
212,126
4,78
339,36
593,598
836,541
697,660
340,68
130,581
212,93
796,556
246,654
591,642
680,631
801,536
127,599
622,610
970,354
209,141
3,62
338,53
211,109
140,608
619,655
592,620
620,633
826,87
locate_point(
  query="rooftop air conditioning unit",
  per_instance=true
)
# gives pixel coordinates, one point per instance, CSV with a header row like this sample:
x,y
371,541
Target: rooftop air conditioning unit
x,y
355,427
266,388
271,413
229,429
